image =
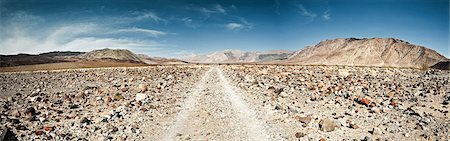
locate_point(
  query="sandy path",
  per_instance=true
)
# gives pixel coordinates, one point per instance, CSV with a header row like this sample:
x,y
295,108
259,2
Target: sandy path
x,y
215,111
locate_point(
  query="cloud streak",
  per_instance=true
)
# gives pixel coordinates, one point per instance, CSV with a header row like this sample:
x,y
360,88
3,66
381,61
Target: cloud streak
x,y
234,26
327,15
153,33
148,15
215,9
243,24
304,12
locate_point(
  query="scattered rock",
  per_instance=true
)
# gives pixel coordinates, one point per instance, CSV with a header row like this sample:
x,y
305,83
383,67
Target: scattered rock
x,y
7,135
365,101
353,125
304,119
143,109
376,131
85,120
142,88
39,132
15,113
30,111
328,125
48,128
367,138
141,96
123,88
300,134
111,128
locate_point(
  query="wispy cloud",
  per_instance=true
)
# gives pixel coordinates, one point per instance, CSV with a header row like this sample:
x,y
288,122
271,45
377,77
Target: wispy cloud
x,y
153,33
144,15
189,22
242,25
327,15
213,9
306,13
81,36
234,26
220,9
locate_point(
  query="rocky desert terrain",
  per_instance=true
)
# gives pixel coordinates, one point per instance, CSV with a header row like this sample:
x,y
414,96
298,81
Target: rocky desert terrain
x,y
226,102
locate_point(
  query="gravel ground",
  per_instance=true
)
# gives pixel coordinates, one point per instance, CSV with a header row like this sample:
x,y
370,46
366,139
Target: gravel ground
x,y
226,102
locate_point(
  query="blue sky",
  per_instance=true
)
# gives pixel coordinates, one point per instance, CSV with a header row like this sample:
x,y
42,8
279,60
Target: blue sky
x,y
183,27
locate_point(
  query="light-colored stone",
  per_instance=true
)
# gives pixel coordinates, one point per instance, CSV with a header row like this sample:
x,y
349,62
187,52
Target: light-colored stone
x,y
141,96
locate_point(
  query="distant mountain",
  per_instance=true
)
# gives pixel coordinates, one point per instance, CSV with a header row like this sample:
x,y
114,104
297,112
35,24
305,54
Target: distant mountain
x,y
102,55
238,56
383,52
112,55
158,60
123,55
443,65
30,59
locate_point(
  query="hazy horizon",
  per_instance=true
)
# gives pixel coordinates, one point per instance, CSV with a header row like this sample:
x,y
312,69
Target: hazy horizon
x,y
175,28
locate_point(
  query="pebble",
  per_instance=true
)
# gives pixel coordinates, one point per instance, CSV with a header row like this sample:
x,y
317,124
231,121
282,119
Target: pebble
x,y
376,131
304,119
353,125
123,88
48,128
365,101
39,132
30,111
141,96
142,88
300,134
328,125
367,138
85,120
15,113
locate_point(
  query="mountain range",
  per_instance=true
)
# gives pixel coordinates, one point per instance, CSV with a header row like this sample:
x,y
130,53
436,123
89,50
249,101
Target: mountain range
x,y
238,56
378,52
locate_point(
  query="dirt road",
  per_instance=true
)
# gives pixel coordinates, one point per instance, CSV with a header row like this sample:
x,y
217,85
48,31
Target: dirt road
x,y
215,110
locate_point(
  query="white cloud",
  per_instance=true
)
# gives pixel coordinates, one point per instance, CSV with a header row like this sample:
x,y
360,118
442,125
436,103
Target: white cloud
x,y
16,38
153,33
238,26
215,9
234,26
90,43
306,13
189,22
327,15
220,9
148,15
68,32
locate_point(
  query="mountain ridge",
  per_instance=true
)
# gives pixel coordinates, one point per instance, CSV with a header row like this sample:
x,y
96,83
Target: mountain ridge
x,y
381,52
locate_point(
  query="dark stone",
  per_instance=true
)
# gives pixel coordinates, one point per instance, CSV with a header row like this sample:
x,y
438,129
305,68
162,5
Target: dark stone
x,y
8,135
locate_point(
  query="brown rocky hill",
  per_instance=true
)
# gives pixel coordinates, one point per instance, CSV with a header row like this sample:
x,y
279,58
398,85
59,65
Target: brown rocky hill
x,y
123,55
381,52
112,55
443,65
159,60
32,59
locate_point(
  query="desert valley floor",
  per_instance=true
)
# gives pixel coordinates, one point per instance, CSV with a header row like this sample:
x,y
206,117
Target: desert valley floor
x,y
226,102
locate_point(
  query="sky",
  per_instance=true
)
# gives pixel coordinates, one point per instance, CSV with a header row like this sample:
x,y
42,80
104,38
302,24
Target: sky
x,y
174,28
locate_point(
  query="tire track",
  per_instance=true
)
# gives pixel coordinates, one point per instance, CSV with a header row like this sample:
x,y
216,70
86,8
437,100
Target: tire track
x,y
214,111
